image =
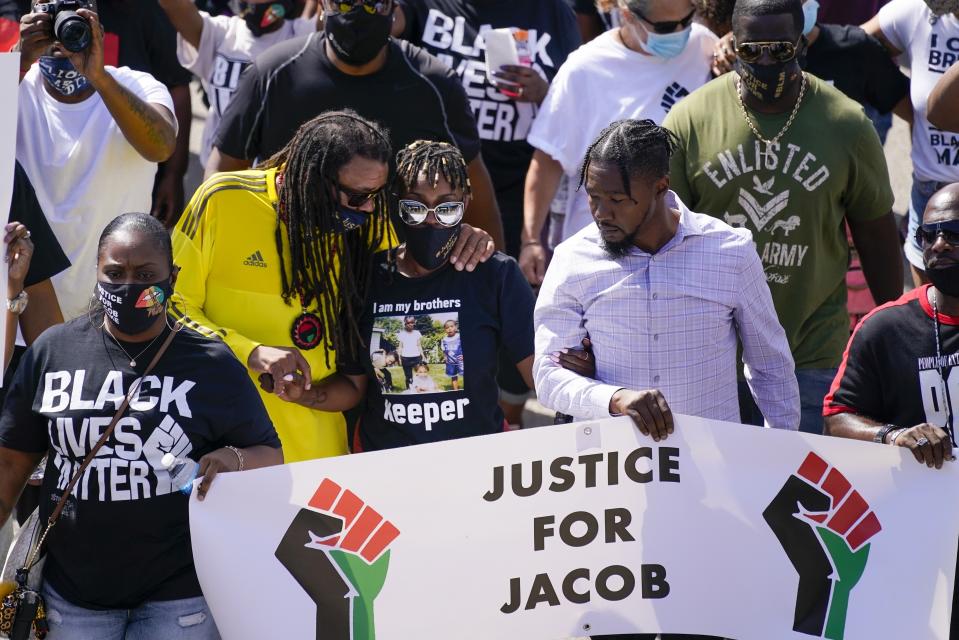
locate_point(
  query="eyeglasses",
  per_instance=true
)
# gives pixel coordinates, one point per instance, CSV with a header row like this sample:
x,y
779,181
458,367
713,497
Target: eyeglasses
x,y
665,26
447,214
345,6
949,230
356,199
780,50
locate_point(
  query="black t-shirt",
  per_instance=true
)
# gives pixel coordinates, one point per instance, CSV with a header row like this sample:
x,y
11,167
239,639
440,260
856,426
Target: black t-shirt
x,y
588,8
126,539
438,380
890,372
48,258
141,37
857,65
414,96
450,30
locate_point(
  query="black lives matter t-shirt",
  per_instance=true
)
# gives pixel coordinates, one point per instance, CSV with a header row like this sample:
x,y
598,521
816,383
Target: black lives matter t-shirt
x,y
452,30
414,96
890,371
437,380
125,538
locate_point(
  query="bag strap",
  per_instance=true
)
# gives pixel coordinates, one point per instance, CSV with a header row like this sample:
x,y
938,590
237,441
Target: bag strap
x,y
34,554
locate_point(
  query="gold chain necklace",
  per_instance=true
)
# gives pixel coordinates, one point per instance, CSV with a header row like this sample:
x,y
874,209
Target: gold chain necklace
x,y
792,116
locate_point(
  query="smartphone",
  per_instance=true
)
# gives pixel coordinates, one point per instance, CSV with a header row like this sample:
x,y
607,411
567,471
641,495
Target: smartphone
x,y
500,50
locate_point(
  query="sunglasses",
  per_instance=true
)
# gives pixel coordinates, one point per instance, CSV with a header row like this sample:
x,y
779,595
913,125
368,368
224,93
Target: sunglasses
x,y
356,199
949,230
345,6
780,50
665,26
448,214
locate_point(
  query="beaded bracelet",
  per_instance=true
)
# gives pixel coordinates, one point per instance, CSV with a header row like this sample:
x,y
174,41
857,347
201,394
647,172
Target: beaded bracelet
x,y
239,455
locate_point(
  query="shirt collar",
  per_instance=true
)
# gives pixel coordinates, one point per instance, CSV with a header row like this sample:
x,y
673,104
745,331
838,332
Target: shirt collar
x,y
688,225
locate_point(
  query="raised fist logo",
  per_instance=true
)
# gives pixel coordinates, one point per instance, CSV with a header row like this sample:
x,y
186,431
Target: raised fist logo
x,y
337,551
823,525
168,437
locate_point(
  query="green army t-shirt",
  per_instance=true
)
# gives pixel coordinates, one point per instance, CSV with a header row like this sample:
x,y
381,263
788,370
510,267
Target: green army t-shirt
x,y
793,196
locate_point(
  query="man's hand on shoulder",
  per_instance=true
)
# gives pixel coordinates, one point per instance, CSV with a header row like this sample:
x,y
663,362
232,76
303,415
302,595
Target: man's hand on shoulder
x,y
647,408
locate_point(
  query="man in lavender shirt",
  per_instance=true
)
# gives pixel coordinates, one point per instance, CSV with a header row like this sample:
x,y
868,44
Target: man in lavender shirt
x,y
664,295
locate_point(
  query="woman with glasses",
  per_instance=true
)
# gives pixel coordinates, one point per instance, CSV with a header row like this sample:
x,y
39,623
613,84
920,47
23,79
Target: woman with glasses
x,y
463,318
274,260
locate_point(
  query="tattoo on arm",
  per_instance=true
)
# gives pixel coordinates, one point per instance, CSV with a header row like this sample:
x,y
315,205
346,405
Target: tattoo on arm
x,y
157,128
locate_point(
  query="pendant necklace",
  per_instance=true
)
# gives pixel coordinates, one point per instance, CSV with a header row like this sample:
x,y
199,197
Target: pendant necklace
x,y
792,116
133,359
944,396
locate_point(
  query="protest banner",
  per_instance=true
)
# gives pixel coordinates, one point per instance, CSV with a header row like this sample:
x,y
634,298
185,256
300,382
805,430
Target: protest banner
x,y
586,529
9,79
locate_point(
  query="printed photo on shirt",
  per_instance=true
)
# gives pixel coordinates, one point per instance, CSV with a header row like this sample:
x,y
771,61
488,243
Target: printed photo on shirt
x,y
418,353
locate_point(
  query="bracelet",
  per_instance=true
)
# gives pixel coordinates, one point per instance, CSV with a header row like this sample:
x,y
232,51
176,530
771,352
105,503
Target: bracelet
x,y
894,435
884,430
239,455
530,243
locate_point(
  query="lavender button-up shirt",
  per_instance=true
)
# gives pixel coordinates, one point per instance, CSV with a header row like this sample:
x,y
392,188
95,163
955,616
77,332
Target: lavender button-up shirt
x,y
666,321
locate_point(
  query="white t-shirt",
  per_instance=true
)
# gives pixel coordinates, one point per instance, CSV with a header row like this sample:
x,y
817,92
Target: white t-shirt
x,y
227,46
409,347
84,171
928,50
604,81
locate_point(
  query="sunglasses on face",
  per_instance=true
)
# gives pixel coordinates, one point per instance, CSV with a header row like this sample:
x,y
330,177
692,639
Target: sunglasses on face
x,y
370,7
447,214
780,50
666,26
356,199
926,234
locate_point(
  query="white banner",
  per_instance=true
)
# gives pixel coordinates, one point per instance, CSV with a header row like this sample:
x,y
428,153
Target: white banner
x,y
586,529
9,83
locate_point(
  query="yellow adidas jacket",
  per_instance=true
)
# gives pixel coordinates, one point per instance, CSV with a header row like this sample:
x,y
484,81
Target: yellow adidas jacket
x,y
229,287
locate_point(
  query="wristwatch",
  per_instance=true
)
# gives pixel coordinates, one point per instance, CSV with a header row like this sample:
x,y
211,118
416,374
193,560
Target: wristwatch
x,y
18,304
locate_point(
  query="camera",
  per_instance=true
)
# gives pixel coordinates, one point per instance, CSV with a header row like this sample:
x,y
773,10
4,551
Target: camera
x,y
71,29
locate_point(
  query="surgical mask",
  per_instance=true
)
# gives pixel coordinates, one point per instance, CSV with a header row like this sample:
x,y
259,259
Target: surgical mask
x,y
357,36
768,82
810,12
431,246
346,219
260,17
666,45
945,279
62,75
133,308
942,7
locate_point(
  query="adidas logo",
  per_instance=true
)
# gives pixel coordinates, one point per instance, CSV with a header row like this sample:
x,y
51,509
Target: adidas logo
x,y
255,260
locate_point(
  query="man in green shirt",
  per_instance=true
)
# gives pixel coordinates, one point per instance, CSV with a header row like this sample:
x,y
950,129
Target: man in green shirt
x,y
789,157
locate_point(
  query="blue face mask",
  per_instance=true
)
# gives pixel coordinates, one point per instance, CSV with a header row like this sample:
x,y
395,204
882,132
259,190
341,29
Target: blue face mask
x,y
810,12
62,75
666,45
349,219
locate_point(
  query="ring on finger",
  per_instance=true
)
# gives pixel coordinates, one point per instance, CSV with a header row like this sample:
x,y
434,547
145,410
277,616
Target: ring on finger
x,y
921,442
27,234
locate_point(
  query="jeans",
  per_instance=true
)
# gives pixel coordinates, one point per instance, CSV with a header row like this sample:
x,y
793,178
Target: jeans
x,y
813,386
408,364
922,190
881,121
187,619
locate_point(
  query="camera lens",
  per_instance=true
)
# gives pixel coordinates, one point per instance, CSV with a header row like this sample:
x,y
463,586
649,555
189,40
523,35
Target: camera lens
x,y
72,30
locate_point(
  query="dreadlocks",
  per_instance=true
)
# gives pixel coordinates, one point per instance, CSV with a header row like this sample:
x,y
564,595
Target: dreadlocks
x,y
635,146
432,159
308,199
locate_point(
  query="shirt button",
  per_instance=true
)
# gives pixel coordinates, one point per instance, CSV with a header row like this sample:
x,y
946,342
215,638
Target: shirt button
x,y
656,337
656,378
655,295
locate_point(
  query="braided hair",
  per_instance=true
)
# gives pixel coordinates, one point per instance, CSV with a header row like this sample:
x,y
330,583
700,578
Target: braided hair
x,y
327,266
635,146
433,159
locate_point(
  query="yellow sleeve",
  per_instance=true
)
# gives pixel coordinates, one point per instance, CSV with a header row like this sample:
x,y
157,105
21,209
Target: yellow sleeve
x,y
193,249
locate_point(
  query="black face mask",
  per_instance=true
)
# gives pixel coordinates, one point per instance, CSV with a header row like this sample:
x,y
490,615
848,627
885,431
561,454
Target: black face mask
x,y
768,82
133,308
257,14
431,246
945,279
357,36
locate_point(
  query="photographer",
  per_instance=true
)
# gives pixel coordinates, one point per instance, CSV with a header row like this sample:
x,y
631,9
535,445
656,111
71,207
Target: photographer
x,y
89,136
